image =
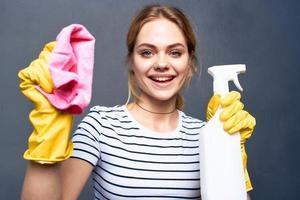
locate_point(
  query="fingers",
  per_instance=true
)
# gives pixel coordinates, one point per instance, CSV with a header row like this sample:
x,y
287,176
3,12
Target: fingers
x,y
231,110
212,106
248,131
42,74
233,116
37,74
50,46
230,98
237,122
41,68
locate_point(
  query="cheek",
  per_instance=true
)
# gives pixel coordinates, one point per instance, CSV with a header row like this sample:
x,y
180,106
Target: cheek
x,y
140,68
140,65
181,66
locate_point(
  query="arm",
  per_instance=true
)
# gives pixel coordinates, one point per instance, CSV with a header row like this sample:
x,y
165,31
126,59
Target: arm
x,y
41,182
56,181
248,196
74,173
47,175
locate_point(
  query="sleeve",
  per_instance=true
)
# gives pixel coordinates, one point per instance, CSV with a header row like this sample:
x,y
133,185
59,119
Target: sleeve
x,y
86,138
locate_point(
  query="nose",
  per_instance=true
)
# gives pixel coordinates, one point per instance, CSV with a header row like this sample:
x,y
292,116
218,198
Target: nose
x,y
161,64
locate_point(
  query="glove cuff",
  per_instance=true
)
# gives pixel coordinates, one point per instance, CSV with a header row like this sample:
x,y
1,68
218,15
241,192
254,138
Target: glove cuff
x,y
248,181
36,155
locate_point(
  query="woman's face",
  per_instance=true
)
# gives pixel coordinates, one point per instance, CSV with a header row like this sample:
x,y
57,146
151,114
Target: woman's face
x,y
160,59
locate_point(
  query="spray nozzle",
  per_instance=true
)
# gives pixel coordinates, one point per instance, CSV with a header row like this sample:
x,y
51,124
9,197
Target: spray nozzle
x,y
224,73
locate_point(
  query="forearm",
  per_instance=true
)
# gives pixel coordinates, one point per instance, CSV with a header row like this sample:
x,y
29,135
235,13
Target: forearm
x,y
41,182
248,196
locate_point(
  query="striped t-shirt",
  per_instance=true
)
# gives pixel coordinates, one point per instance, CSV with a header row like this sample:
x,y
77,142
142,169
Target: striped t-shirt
x,y
133,162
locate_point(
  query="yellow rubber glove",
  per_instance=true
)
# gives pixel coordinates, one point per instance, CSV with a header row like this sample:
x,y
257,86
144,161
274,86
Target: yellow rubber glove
x,y
235,119
49,142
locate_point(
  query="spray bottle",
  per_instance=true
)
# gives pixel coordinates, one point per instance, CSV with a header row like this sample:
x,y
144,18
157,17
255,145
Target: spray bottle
x,y
221,166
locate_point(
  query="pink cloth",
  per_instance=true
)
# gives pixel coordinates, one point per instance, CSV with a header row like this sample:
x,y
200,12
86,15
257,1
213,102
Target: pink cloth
x,y
71,67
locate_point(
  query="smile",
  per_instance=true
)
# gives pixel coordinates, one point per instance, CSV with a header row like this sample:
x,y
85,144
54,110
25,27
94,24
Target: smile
x,y
162,79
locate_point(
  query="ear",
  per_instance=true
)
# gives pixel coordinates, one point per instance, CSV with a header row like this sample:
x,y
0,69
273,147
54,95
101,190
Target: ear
x,y
129,62
191,57
192,62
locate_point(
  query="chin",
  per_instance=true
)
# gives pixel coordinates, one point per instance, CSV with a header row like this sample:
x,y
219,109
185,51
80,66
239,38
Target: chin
x,y
163,96
161,93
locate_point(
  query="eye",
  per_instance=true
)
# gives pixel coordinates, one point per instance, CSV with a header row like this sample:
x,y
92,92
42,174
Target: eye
x,y
175,53
146,53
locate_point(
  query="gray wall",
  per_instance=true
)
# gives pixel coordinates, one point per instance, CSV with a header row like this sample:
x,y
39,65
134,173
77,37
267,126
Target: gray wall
x,y
262,34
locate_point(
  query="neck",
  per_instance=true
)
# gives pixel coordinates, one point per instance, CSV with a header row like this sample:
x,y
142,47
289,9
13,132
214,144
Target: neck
x,y
159,122
154,112
155,106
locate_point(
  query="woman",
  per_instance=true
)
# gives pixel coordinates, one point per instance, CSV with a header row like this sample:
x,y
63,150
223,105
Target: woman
x,y
147,148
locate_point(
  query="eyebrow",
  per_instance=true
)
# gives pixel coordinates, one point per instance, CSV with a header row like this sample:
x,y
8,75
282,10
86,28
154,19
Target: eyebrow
x,y
154,47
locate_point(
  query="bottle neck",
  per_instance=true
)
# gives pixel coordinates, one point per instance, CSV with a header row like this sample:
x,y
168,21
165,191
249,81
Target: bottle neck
x,y
221,87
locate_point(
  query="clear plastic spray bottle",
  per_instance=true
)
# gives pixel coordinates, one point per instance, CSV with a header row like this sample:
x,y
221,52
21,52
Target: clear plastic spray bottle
x,y
221,166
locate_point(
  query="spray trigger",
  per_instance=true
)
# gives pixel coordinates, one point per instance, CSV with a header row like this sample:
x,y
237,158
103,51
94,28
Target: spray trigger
x,y
236,82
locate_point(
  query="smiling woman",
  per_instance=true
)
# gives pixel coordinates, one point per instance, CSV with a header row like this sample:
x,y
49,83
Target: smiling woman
x,y
148,147
160,63
176,39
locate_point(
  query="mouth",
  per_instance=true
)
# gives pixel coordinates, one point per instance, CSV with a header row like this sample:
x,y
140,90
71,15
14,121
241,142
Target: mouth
x,y
162,79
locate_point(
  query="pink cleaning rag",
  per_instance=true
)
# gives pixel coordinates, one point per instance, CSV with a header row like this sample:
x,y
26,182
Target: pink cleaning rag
x,y
71,67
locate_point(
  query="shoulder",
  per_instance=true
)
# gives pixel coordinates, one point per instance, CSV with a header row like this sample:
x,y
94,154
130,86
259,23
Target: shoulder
x,y
108,116
105,111
100,118
191,122
97,115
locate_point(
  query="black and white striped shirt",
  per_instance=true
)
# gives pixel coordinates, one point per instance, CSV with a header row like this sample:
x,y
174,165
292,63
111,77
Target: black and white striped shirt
x,y
133,162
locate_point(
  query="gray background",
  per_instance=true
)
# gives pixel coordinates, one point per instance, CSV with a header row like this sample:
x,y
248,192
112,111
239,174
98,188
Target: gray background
x,y
262,34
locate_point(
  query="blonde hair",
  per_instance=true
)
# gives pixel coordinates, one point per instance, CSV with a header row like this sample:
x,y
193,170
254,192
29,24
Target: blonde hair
x,y
150,13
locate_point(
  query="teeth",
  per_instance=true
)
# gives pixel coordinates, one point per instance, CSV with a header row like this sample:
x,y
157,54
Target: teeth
x,y
162,78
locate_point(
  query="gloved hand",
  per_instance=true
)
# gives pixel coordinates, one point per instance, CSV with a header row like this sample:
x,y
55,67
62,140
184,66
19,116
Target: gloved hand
x,y
235,119
49,142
